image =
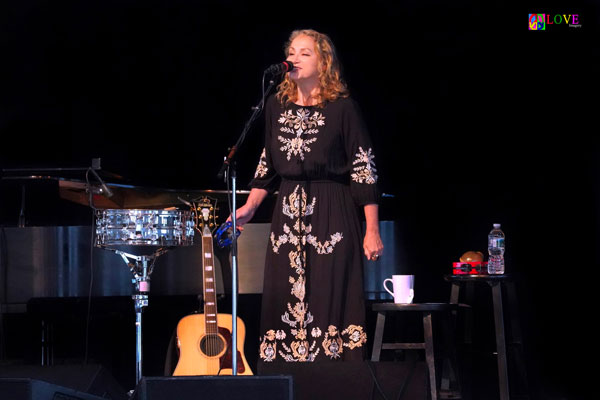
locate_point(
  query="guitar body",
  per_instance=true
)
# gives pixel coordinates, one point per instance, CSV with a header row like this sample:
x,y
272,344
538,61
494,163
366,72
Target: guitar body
x,y
204,353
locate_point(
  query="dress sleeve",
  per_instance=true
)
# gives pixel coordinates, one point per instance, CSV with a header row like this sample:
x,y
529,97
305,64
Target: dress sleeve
x,y
265,176
359,151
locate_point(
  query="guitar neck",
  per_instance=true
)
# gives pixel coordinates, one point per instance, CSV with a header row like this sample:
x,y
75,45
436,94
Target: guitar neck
x,y
210,288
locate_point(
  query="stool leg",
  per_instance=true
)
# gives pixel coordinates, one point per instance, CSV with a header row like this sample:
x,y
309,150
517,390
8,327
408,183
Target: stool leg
x,y
500,341
454,293
429,355
469,313
454,297
450,369
378,340
516,341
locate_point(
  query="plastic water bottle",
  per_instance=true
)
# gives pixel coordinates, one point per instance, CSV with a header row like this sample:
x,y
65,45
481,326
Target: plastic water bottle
x,y
496,250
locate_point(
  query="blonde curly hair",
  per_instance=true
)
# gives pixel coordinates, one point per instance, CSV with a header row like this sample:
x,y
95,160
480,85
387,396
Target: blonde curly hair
x,y
331,83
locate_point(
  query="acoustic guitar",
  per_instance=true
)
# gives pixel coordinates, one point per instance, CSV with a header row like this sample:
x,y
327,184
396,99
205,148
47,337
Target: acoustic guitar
x,y
204,340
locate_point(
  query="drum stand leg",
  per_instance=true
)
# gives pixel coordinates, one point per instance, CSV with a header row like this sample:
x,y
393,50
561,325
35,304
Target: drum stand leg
x,y
141,279
142,286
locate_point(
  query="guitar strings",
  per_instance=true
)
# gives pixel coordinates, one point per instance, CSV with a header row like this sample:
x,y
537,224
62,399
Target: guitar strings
x,y
212,342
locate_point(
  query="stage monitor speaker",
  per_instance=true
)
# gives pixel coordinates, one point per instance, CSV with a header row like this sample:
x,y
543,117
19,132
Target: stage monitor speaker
x,y
356,380
32,389
90,378
215,388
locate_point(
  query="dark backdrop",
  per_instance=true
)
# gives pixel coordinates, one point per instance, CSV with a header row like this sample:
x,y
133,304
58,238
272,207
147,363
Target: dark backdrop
x,y
475,120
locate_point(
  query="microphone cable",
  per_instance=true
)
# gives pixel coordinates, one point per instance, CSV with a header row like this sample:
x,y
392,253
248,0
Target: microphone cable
x,y
4,288
91,284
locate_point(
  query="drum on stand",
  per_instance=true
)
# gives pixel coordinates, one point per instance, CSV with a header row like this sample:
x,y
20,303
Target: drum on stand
x,y
142,231
164,228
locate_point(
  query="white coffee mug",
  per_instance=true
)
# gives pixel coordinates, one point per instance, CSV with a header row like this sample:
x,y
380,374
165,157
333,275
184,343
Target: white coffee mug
x,y
403,291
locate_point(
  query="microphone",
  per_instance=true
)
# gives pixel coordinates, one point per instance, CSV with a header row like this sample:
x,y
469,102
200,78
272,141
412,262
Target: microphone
x,y
284,66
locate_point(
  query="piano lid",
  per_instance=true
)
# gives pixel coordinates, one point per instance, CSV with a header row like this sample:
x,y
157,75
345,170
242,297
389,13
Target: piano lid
x,y
75,185
129,196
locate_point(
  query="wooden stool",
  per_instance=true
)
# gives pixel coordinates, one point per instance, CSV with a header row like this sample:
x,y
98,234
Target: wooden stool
x,y
427,309
497,283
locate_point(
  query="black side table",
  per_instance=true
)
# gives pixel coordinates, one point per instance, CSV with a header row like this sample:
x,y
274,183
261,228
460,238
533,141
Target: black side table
x,y
497,282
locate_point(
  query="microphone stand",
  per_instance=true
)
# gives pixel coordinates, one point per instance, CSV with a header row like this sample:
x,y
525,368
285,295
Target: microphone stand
x,y
228,170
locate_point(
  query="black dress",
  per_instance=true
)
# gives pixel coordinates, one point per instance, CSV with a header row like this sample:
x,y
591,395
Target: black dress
x,y
321,161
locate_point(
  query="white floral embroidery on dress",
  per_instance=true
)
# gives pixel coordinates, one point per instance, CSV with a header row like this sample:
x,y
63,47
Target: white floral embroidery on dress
x,y
280,335
261,169
296,207
301,123
365,171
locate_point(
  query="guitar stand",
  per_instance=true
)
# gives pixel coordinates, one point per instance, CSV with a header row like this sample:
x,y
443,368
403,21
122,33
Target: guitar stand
x,y
141,270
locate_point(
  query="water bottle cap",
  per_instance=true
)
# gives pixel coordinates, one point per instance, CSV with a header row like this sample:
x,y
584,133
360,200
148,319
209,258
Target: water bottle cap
x,y
496,226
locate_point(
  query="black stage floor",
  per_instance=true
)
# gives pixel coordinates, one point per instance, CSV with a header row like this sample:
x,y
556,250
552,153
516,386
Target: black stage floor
x,y
111,350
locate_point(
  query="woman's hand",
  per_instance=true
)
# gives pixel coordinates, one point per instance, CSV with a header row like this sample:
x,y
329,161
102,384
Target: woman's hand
x,y
246,212
243,215
372,245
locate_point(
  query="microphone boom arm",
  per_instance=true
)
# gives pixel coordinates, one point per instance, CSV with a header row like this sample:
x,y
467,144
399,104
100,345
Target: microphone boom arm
x,y
255,114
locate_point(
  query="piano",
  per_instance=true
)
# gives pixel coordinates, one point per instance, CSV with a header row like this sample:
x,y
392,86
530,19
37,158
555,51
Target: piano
x,y
47,224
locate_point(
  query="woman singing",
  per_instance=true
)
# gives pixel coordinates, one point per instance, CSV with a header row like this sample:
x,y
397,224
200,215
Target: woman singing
x,y
319,156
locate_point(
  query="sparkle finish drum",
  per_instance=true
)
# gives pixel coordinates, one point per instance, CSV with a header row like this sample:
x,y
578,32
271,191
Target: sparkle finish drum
x,y
123,227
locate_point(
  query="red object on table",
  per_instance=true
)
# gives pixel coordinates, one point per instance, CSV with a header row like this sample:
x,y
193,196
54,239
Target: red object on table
x,y
470,268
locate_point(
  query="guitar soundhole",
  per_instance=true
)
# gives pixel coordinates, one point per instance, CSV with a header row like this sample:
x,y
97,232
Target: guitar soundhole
x,y
212,345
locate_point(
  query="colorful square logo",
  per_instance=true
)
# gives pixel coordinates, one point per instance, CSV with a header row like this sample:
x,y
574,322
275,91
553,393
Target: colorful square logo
x,y
537,22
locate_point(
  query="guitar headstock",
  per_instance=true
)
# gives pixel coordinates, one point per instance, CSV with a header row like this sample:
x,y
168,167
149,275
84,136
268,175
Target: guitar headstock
x,y
205,214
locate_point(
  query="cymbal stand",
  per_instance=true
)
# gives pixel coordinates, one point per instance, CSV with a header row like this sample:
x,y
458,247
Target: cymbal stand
x,y
141,270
